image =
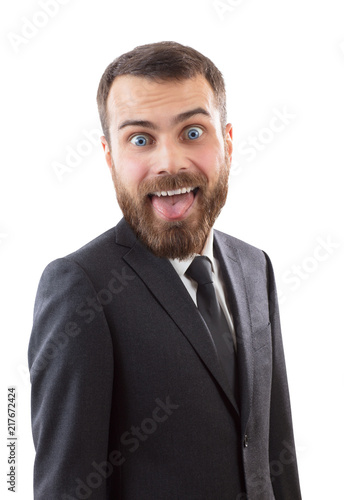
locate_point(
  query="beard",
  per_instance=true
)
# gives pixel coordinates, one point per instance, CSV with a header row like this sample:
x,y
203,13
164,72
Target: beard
x,y
178,239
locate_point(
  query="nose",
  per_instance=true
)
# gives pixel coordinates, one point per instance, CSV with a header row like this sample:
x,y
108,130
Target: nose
x,y
170,158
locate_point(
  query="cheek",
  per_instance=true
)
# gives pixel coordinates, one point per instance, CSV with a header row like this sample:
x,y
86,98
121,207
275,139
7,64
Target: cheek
x,y
132,170
209,162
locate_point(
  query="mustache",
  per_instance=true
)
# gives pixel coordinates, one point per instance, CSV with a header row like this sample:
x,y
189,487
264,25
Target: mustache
x,y
170,182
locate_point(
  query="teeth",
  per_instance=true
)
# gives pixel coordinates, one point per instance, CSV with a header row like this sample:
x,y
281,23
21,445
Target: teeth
x,y
172,193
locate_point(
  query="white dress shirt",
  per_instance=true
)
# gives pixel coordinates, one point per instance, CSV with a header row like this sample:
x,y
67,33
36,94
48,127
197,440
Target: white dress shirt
x,y
181,267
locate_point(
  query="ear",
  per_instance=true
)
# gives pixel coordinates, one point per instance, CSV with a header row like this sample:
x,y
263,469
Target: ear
x,y
229,140
107,152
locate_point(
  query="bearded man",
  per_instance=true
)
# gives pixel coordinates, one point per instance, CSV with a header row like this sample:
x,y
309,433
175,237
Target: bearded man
x,y
156,357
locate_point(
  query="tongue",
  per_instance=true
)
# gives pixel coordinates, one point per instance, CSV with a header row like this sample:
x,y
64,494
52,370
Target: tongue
x,y
173,207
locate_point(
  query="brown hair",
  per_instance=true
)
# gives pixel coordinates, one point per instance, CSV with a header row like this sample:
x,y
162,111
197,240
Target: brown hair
x,y
161,61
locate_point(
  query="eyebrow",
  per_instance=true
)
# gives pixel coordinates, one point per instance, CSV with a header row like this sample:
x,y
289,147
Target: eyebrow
x,y
175,120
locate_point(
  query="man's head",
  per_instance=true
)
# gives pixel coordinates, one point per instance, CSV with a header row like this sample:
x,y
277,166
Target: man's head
x,y
161,61
162,108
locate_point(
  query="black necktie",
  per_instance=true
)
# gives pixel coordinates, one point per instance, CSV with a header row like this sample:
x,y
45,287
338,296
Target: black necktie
x,y
200,270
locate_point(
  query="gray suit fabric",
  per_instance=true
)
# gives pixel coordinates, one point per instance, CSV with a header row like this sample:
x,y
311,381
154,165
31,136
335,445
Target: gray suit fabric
x,y
128,399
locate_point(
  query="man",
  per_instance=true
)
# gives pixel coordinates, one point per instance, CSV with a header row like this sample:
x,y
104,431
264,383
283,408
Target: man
x,y
156,356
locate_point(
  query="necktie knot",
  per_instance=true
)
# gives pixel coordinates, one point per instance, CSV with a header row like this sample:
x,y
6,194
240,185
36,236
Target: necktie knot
x,y
200,270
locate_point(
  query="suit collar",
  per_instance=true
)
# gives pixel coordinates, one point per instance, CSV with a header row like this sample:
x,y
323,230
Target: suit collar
x,y
239,303
166,286
164,283
125,236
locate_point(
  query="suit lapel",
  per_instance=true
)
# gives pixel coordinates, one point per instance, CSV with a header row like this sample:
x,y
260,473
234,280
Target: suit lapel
x,y
238,303
164,283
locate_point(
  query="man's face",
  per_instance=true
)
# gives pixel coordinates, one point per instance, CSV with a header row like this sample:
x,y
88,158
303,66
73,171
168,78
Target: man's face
x,y
169,160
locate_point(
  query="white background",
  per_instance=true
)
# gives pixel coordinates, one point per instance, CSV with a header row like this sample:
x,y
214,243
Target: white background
x,y
285,197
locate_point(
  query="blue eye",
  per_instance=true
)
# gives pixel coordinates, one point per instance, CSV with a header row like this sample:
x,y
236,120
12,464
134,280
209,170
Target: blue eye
x,y
194,133
139,140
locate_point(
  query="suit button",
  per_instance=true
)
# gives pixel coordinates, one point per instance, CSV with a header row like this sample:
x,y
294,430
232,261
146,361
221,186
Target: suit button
x,y
246,441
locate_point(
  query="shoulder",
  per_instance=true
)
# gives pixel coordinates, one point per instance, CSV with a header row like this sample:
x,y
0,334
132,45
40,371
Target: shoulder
x,y
94,250
94,260
239,247
108,246
254,262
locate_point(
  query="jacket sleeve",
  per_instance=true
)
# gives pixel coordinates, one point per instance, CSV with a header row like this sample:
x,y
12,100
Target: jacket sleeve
x,y
282,453
71,371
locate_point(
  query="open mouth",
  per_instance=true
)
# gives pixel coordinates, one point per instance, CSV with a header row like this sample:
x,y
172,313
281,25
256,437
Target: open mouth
x,y
174,204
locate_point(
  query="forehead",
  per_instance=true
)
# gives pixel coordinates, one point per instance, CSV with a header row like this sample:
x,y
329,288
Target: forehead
x,y
142,98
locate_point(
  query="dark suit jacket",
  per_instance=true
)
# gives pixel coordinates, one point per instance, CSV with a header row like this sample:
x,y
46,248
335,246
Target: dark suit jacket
x,y
128,399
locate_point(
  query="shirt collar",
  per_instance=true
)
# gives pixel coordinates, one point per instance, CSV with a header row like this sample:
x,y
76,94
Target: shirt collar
x,y
181,265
